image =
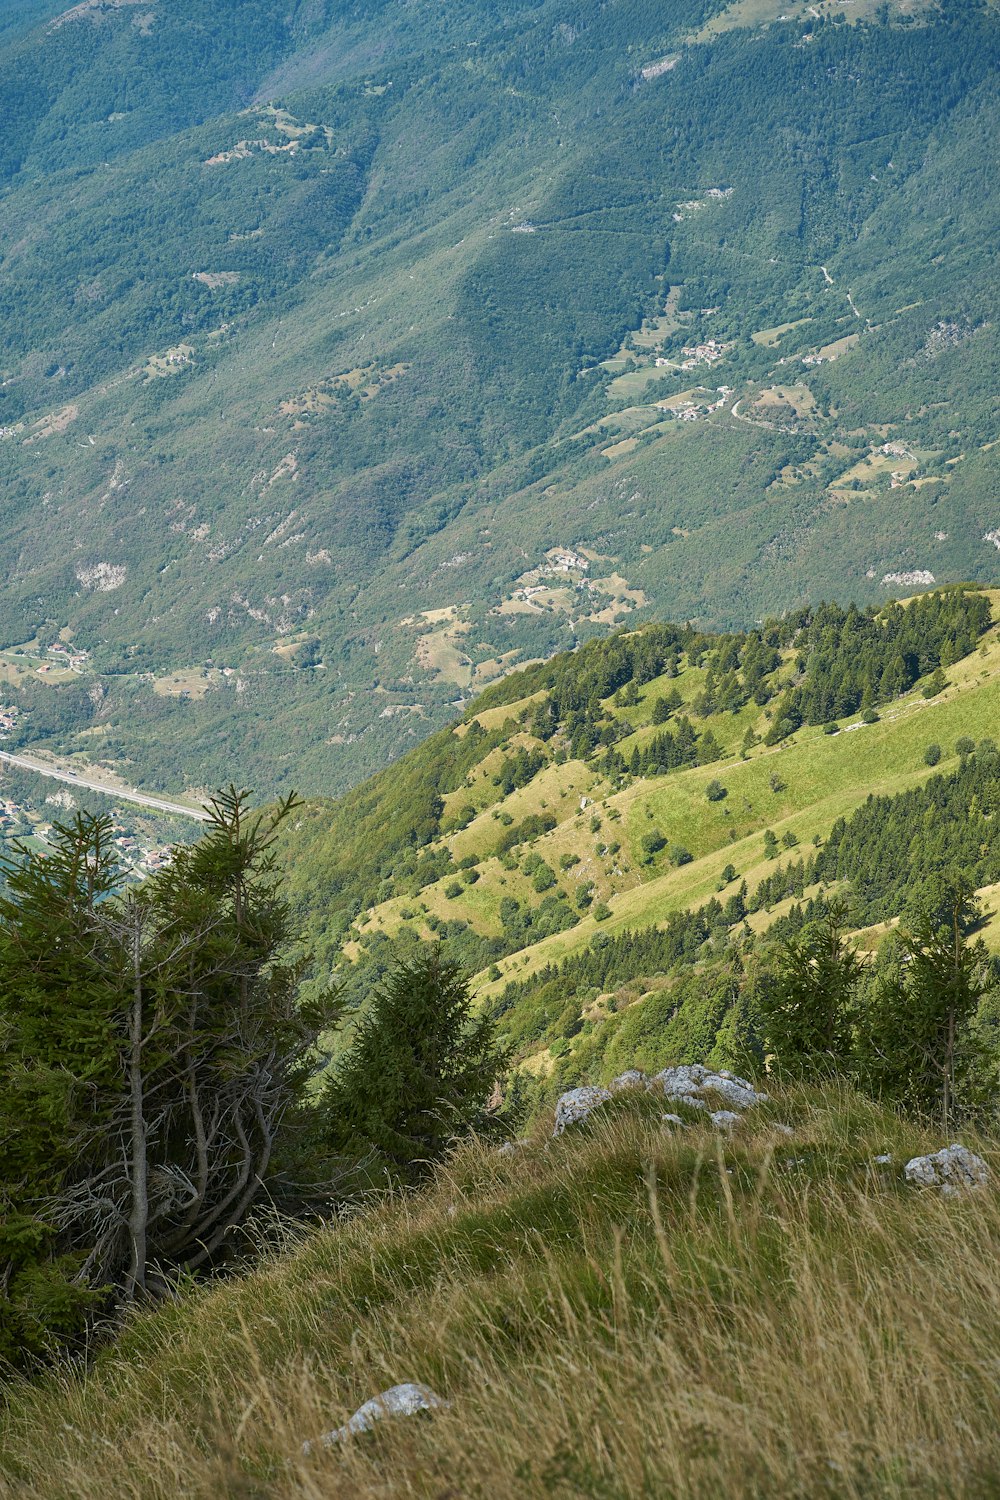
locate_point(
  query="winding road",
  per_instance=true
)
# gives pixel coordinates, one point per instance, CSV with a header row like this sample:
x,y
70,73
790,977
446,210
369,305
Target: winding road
x,y
123,794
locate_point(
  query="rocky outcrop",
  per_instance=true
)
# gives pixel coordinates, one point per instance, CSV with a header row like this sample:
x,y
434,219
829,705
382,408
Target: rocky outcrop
x,y
949,1170
399,1401
577,1105
689,1085
692,1084
632,1078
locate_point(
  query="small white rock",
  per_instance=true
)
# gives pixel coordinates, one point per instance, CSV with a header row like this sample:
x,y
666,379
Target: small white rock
x,y
783,1130
577,1105
951,1168
399,1401
513,1148
724,1119
675,1120
883,1161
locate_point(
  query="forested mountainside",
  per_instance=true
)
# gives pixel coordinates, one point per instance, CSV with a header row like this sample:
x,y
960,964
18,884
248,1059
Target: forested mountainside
x,y
352,355
606,839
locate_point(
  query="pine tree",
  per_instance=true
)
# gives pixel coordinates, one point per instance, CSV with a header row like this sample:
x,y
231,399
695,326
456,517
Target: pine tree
x,y
916,1041
151,1045
807,1008
418,1074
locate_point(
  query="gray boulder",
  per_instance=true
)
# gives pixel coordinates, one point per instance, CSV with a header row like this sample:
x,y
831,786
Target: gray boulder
x,y
631,1079
399,1401
690,1083
952,1168
577,1105
724,1119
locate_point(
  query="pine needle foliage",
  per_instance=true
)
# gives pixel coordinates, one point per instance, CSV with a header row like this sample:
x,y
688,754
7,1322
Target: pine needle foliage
x,y
808,1006
918,1047
419,1074
151,1045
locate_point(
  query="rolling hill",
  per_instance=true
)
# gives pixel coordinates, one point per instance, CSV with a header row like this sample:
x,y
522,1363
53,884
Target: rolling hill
x,y
353,356
599,839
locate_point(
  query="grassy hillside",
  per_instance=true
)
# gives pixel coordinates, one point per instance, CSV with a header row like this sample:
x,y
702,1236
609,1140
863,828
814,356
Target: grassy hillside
x,y
350,359
453,798
626,1311
609,907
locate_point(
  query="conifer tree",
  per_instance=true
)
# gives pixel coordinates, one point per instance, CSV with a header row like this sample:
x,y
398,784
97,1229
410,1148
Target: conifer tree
x,y
151,1045
807,1008
418,1074
916,1044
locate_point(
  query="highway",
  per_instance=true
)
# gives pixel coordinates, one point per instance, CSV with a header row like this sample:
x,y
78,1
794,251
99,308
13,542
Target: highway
x,y
123,794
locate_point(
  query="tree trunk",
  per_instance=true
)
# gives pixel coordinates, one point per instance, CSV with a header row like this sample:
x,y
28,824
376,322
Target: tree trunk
x,y
139,1206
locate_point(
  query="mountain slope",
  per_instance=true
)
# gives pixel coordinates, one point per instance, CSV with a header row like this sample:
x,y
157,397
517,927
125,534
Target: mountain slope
x,y
607,835
328,339
628,1310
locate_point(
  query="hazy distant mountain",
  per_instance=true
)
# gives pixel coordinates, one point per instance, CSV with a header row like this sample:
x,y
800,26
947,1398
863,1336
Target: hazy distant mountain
x,y
353,353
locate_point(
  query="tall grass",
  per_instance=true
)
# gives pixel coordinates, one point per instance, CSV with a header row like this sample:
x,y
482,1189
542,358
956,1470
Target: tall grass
x,y
627,1311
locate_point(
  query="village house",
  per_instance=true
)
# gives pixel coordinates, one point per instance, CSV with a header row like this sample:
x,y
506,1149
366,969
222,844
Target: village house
x,y
708,353
564,562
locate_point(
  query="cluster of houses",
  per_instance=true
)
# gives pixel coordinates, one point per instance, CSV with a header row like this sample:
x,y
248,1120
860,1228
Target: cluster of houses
x,y
559,562
692,411
21,821
708,353
10,814
8,719
70,656
563,561
142,860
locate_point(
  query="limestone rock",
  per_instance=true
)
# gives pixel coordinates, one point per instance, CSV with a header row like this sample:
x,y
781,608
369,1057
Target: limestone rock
x,y
514,1148
675,1120
950,1169
577,1105
724,1119
631,1079
399,1401
688,1084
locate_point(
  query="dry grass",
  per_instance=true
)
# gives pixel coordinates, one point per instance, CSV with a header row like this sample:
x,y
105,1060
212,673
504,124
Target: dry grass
x,y
623,1312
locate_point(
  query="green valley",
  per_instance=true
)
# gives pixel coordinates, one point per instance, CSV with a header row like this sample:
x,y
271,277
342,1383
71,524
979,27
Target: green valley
x,y
382,351
499,766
